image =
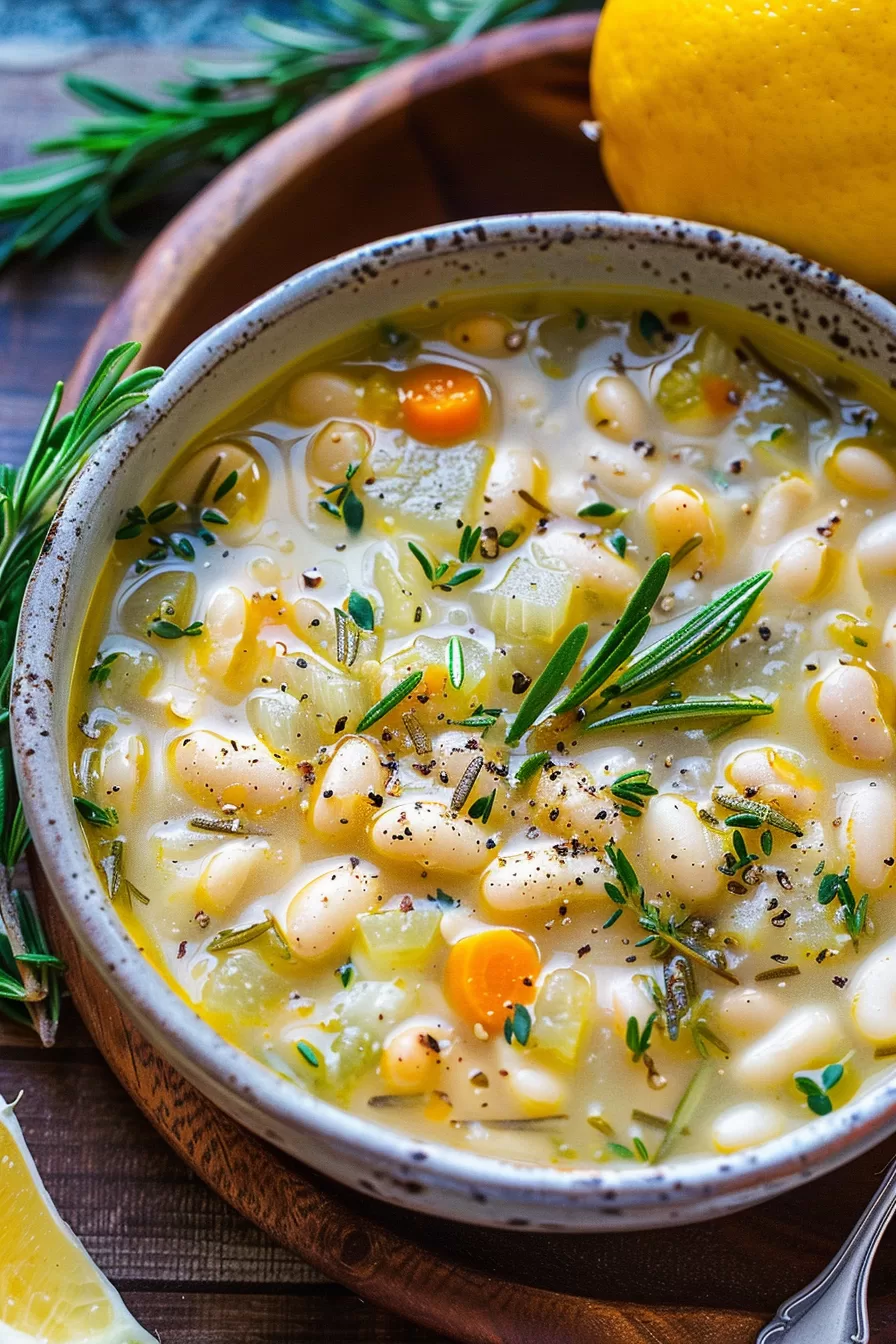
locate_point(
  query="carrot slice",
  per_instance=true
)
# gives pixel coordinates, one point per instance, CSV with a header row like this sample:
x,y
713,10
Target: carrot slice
x,y
441,404
486,972
722,396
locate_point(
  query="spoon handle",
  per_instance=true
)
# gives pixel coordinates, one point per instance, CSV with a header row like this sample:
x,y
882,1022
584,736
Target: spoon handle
x,y
833,1309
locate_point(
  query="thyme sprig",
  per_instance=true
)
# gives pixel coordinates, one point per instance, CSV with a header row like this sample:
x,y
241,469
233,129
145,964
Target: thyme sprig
x,y
443,574
665,933
138,146
28,496
835,886
632,789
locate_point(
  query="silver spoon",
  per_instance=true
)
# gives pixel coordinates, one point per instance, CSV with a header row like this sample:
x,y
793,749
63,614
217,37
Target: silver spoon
x,y
833,1309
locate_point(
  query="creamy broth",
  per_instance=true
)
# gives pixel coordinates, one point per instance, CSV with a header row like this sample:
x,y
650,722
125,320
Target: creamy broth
x,y
318,754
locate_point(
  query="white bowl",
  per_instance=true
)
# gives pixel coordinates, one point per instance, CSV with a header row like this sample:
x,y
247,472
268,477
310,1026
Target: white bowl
x,y
575,250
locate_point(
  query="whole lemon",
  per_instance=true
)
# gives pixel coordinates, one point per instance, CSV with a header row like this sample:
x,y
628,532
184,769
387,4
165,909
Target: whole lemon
x,y
775,117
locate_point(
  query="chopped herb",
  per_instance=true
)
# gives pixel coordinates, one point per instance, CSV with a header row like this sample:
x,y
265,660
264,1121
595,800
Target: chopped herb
x,y
546,686
308,1053
346,973
685,549
599,509
388,702
480,718
703,1034
423,560
581,318
650,326
464,576
360,609
766,840
165,629
345,503
92,812
637,1153
619,543
100,672
353,512
694,707
226,486
531,766
637,1038
777,432
468,542
213,516
228,939
506,539
633,789
444,901
686,1109
518,1025
465,784
481,809
456,662
816,1089
835,886
763,814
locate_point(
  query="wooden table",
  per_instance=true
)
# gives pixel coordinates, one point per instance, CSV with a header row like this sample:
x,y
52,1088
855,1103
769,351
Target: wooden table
x,y
186,1264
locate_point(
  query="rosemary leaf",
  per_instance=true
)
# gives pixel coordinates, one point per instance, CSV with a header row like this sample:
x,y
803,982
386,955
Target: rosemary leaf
x,y
546,686
456,662
228,939
388,702
686,1109
697,708
531,765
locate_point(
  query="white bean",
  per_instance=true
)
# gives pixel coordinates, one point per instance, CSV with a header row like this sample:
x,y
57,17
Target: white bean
x,y
749,1011
334,448
512,470
806,1037
854,466
619,996
887,655
123,766
773,778
214,771
803,567
874,995
322,396
875,549
224,631
321,915
594,568
482,334
779,510
538,1090
849,718
617,409
682,852
566,803
868,811
623,469
412,1055
746,1125
677,515
352,781
227,873
428,834
547,875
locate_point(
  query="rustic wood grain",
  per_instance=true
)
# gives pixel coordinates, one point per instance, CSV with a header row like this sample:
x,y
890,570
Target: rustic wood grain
x,y
311,189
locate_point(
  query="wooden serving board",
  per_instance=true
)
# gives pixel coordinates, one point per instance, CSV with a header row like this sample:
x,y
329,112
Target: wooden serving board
x,y
478,130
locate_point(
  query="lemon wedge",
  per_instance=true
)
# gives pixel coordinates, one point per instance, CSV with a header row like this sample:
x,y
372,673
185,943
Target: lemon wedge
x,y
51,1292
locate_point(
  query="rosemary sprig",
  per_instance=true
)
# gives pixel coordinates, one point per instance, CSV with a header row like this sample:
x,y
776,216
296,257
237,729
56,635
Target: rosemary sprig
x,y
389,701
665,933
437,571
695,707
764,815
137,146
545,687
28,496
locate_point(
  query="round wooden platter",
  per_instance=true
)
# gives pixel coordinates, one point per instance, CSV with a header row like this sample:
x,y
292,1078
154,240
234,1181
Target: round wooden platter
x,y
481,129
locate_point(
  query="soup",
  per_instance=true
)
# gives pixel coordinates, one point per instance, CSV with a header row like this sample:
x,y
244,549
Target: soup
x,y
488,725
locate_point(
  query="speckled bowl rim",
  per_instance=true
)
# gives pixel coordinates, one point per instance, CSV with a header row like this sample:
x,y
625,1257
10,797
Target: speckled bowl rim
x,y
420,1175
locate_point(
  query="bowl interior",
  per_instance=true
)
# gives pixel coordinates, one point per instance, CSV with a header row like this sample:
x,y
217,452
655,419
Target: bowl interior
x,y
534,252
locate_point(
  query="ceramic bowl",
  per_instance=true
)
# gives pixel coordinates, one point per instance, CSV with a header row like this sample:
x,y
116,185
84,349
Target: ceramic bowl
x,y
539,251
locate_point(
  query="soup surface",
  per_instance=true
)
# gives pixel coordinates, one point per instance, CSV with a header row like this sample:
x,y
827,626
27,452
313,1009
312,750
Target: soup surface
x,y
489,726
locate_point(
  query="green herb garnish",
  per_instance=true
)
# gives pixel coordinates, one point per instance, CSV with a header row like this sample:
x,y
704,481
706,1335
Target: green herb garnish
x,y
546,686
637,1038
686,1109
518,1025
760,813
650,326
695,707
481,809
685,549
835,886
92,812
360,608
340,501
102,669
816,1091
388,702
171,630
599,509
468,542
633,789
456,662
308,1053
531,766
637,1153
228,939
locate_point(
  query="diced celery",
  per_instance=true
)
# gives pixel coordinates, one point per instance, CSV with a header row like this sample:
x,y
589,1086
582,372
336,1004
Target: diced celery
x,y
318,696
393,938
243,988
680,395
562,1013
130,677
169,594
530,602
426,489
367,1012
